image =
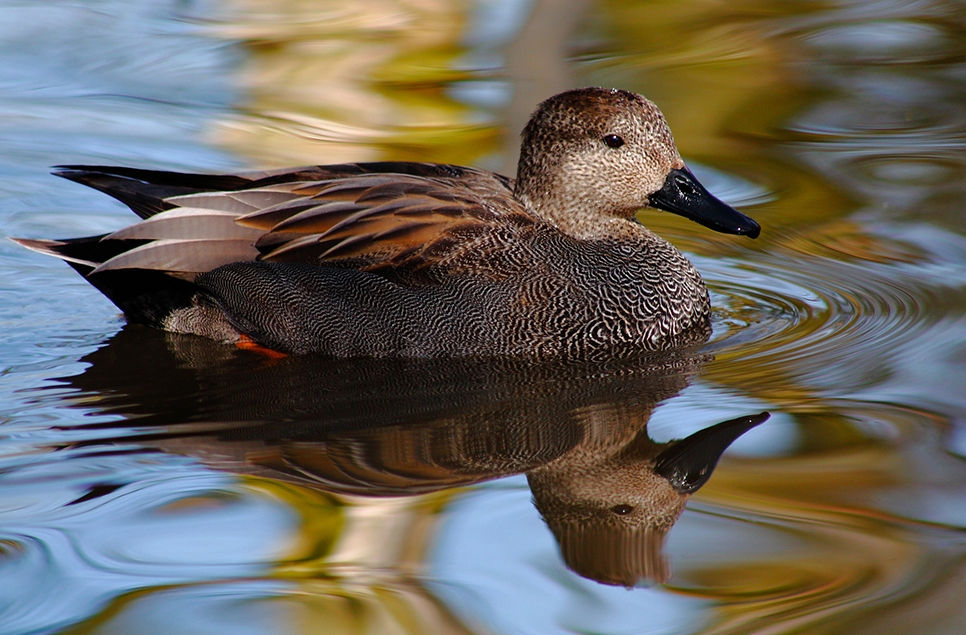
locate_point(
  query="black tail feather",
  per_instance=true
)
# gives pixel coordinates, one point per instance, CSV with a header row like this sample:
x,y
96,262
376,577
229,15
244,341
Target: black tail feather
x,y
196,182
145,296
144,191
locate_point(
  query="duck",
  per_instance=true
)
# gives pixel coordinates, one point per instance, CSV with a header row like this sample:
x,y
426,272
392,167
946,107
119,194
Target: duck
x,y
409,259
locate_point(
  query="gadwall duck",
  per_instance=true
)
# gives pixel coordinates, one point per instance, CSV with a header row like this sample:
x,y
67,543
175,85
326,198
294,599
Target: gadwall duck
x,y
419,259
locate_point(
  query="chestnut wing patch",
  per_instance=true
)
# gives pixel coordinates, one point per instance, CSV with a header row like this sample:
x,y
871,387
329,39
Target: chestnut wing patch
x,y
376,219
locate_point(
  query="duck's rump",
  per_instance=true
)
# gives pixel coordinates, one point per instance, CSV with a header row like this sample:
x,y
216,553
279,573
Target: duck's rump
x,y
300,307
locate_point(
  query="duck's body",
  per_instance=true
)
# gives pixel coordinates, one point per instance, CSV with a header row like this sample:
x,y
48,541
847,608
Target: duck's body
x,y
412,259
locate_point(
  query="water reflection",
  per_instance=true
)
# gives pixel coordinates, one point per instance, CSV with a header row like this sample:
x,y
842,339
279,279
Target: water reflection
x,y
378,428
848,316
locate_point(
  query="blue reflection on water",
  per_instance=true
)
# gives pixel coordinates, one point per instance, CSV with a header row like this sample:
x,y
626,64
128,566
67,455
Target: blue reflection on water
x,y
169,522
497,557
114,82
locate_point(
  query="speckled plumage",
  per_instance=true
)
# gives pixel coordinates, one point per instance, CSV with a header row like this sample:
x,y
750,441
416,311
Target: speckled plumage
x,y
412,259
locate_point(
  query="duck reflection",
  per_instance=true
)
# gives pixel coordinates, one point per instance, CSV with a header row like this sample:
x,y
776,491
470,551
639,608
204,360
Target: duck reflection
x,y
380,428
610,504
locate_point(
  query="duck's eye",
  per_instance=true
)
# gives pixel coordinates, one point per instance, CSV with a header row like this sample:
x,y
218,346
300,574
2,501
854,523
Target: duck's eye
x,y
613,141
622,510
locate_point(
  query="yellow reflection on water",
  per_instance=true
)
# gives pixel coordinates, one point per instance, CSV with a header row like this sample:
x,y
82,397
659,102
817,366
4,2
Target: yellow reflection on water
x,y
354,563
344,81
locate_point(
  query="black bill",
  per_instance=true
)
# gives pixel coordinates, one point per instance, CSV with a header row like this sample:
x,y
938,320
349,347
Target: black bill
x,y
682,194
688,463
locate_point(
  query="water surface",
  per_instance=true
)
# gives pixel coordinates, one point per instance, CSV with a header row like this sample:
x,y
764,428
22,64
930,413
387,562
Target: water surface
x,y
158,484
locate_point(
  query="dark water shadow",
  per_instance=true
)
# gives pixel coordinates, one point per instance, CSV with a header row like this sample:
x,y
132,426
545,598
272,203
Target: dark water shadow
x,y
372,428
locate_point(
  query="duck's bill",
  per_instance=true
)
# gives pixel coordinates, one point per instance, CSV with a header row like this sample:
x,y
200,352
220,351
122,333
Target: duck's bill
x,y
688,463
682,194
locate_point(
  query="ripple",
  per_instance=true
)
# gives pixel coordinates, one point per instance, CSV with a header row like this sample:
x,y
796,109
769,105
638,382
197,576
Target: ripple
x,y
881,41
905,171
72,540
869,120
34,585
836,323
730,188
837,567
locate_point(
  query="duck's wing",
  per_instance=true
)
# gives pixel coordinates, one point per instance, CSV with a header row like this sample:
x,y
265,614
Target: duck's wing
x,y
384,220
368,216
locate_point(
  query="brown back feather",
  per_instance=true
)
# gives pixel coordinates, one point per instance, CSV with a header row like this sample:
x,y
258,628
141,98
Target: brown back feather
x,y
379,219
369,216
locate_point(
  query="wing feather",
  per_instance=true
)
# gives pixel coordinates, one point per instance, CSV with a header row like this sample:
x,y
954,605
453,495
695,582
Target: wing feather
x,y
238,202
372,216
186,223
182,256
321,217
382,219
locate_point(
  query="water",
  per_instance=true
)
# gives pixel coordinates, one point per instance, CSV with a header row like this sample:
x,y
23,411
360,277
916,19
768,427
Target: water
x,y
159,484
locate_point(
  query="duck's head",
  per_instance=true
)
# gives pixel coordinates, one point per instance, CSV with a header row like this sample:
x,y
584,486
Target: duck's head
x,y
593,153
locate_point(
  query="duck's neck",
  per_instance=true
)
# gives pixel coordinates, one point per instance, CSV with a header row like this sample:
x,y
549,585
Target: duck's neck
x,y
559,192
580,217
573,210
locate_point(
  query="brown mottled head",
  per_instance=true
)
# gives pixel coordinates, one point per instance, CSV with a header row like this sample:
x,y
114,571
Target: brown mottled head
x,y
593,153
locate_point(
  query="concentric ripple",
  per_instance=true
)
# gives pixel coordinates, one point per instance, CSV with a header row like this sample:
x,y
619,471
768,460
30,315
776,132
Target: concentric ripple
x,y
71,542
838,323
